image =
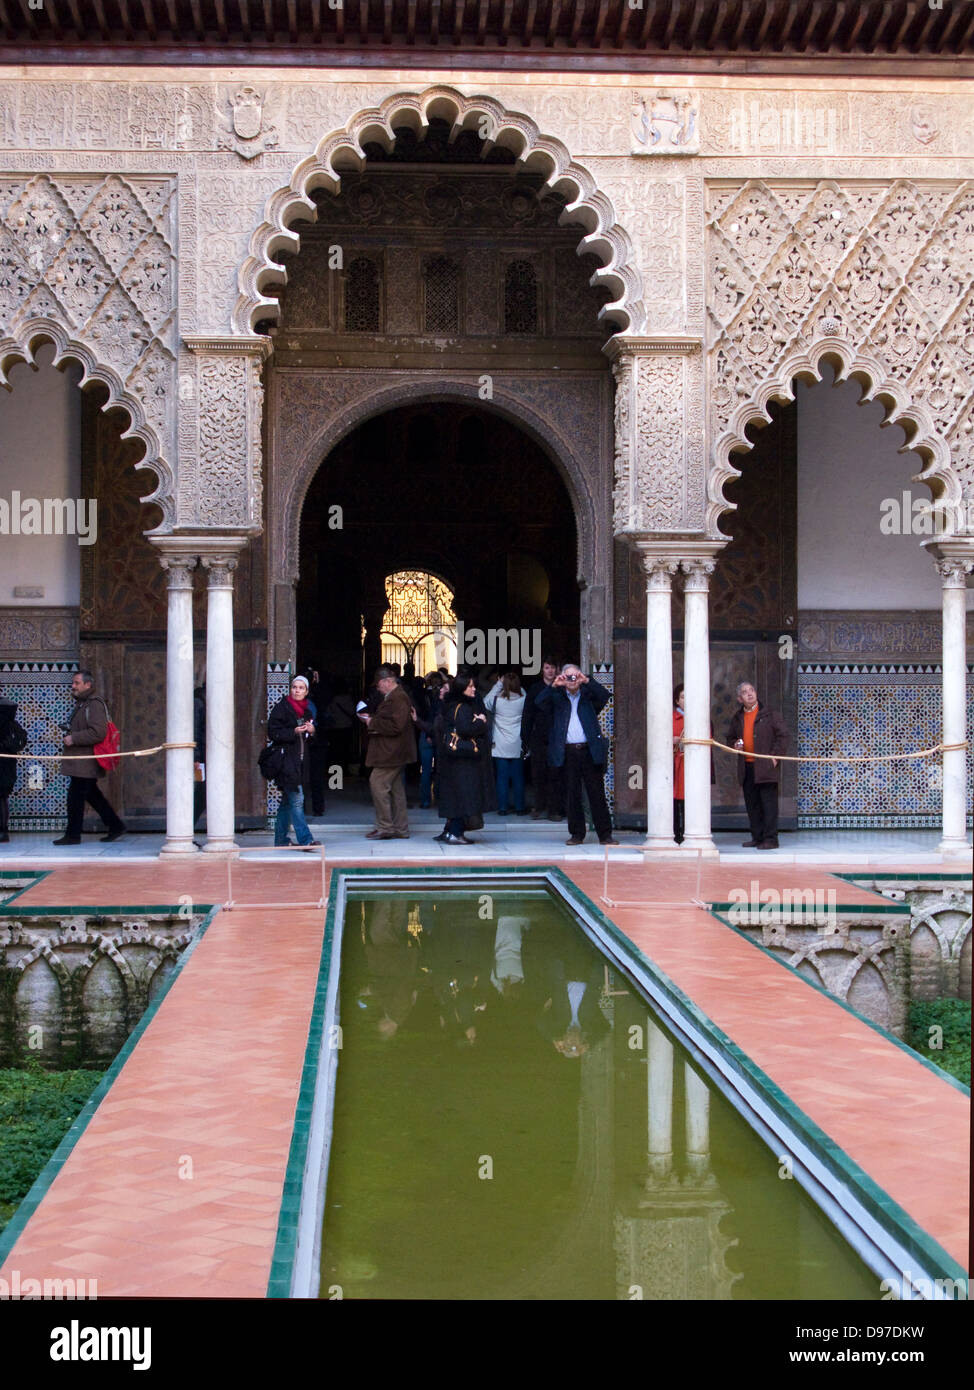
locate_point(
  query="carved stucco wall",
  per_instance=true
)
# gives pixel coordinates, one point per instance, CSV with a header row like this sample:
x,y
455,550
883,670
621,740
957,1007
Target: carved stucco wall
x,y
122,129
878,276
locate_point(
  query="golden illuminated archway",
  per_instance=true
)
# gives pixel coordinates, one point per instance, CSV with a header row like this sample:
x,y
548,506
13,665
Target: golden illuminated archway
x,y
420,625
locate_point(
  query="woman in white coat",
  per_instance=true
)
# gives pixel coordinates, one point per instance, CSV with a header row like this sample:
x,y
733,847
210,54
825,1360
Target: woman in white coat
x,y
506,704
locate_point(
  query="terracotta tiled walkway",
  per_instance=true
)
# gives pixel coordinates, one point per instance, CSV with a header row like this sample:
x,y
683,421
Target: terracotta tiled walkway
x,y
175,1185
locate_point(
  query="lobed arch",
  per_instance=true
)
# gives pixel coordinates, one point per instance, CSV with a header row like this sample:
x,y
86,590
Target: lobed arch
x,y
938,473
345,149
38,332
848,364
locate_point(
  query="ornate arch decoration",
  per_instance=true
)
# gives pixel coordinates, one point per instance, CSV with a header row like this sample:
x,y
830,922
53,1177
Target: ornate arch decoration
x,y
341,422
345,149
873,276
848,365
35,333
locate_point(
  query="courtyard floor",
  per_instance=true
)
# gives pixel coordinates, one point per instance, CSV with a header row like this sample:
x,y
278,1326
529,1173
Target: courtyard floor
x,y
174,1187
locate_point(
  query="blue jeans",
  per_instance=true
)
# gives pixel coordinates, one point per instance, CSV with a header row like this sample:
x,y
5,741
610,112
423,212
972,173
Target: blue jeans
x,y
292,809
426,774
510,770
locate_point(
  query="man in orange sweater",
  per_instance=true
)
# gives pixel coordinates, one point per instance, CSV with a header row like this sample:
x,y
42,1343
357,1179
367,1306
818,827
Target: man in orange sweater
x,y
757,729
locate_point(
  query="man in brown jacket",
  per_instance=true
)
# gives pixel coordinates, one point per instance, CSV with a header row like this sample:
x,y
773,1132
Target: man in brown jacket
x,y
88,726
392,746
756,728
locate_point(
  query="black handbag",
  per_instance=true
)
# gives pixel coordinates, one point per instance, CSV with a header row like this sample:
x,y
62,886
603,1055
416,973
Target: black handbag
x,y
270,760
456,746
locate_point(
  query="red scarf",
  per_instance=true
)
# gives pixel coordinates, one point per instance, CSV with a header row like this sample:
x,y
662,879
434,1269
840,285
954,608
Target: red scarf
x,y
299,706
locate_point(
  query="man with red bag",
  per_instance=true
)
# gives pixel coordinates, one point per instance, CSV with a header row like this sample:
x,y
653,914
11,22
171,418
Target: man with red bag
x,y
87,728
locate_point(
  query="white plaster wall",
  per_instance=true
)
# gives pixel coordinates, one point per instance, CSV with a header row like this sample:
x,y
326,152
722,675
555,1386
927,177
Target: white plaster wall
x,y
40,456
847,467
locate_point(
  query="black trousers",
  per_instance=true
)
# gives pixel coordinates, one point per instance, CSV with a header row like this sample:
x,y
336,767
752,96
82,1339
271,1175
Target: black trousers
x,y
579,770
549,794
761,800
4,814
679,819
80,790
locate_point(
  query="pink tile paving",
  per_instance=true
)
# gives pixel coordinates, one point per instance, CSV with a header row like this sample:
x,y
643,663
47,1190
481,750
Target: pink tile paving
x,y
212,1085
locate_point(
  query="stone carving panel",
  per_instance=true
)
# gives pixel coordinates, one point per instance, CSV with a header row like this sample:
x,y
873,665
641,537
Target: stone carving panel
x,y
659,460
93,258
229,450
880,273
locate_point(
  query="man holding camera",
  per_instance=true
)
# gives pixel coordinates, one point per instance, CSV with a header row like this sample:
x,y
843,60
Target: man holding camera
x,y
576,744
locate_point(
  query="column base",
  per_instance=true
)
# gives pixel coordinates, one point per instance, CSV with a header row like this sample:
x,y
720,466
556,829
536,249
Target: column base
x,y
702,846
955,849
661,849
227,849
178,847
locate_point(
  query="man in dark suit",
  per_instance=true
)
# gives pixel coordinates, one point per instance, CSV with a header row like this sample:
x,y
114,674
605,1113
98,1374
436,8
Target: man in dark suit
x,y
576,744
756,728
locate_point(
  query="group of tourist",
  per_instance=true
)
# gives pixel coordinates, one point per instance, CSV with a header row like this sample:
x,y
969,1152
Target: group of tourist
x,y
473,740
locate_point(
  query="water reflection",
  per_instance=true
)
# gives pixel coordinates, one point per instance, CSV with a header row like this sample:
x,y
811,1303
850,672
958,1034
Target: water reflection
x,y
511,1122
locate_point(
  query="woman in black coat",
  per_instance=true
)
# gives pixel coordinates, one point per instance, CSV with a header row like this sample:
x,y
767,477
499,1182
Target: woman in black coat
x,y
12,740
460,785
291,726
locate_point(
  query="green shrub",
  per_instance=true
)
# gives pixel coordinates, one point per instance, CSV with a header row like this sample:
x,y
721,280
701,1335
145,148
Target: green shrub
x,y
37,1108
953,1017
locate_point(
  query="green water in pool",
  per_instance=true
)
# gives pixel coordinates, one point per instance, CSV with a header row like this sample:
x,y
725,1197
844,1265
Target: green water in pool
x,y
513,1121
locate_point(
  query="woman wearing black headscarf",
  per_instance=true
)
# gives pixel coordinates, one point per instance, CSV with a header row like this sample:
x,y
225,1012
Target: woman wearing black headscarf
x,y
463,750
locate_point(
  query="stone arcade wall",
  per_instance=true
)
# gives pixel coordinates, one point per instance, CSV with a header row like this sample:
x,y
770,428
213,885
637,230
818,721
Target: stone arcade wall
x,y
72,987
802,213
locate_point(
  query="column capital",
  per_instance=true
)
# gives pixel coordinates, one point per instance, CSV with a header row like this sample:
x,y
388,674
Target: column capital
x,y
660,570
642,345
224,344
954,561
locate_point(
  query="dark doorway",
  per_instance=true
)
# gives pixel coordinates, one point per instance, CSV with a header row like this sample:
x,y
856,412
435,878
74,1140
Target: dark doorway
x,y
454,490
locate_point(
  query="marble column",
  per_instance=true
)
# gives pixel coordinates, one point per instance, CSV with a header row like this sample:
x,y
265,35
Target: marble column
x,y
220,700
179,562
956,562
660,570
697,1124
659,1097
696,691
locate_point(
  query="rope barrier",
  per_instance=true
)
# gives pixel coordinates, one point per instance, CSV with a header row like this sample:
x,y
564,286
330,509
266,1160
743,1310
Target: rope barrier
x,y
842,758
85,757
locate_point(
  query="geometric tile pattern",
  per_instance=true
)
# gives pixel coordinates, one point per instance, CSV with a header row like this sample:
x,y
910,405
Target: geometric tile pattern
x,y
605,675
872,710
42,692
278,685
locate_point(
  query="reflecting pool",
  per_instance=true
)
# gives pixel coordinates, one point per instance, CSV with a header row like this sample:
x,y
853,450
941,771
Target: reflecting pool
x,y
513,1121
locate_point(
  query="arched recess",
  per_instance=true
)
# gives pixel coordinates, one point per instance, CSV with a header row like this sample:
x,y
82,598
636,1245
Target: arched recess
x,y
345,149
33,334
287,504
921,436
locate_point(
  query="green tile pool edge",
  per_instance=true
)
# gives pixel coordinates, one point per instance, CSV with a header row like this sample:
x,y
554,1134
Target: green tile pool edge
x,y
15,1226
35,876
880,1206
718,909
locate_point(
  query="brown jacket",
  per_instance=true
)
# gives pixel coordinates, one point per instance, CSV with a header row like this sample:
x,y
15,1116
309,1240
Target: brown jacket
x,y
770,736
89,724
392,742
